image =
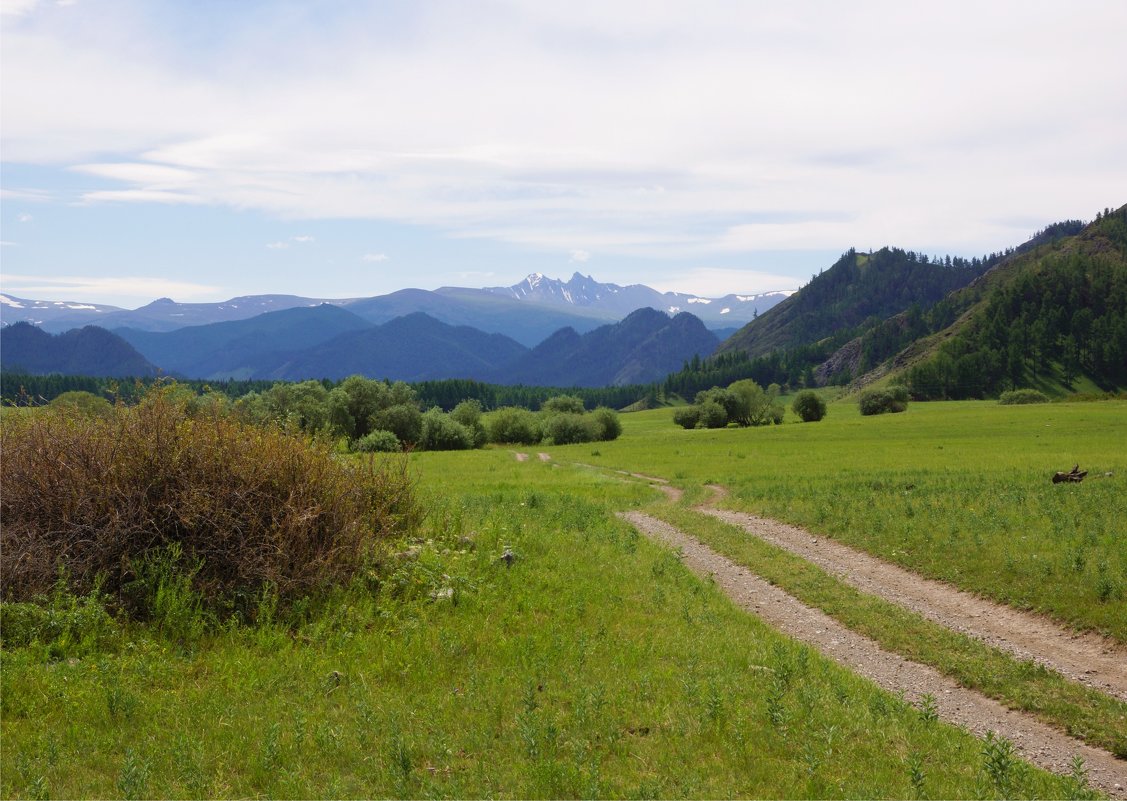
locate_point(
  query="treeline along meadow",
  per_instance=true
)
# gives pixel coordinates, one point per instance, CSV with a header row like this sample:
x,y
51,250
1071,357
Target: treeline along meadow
x,y
22,389
359,413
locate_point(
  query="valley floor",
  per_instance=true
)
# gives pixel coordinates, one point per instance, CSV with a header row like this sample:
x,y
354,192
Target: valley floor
x,y
592,662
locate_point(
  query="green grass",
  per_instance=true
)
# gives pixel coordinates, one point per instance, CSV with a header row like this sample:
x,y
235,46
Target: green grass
x,y
1082,712
594,665
957,491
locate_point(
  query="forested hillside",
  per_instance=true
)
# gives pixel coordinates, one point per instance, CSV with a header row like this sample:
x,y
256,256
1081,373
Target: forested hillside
x,y
89,351
858,291
1048,318
644,347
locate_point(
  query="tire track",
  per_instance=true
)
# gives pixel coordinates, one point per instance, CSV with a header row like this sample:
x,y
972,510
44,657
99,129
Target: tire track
x,y
1087,658
1037,742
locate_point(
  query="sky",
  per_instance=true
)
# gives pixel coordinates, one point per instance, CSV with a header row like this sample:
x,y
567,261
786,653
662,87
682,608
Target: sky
x,y
208,149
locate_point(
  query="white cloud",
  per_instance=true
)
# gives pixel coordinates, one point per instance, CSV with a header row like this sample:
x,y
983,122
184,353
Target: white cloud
x,y
278,245
374,257
141,196
17,8
8,244
716,282
153,175
95,288
579,255
24,217
303,240
669,129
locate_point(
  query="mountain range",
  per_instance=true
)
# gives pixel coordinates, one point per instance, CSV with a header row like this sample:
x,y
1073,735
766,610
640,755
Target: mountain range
x,y
1049,313
326,341
528,312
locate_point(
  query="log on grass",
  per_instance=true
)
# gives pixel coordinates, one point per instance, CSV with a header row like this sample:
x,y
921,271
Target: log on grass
x,y
1074,475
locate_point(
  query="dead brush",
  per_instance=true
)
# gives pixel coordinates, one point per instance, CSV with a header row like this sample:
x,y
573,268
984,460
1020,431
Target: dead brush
x,y
251,507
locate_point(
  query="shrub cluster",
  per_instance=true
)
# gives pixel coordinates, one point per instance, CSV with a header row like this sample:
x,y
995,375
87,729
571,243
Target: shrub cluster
x,y
240,508
879,401
744,403
560,421
809,406
1021,396
369,414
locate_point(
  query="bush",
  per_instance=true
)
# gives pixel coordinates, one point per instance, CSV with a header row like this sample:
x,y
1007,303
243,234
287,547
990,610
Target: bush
x,y
404,420
566,429
248,508
571,404
607,424
514,425
378,442
879,401
712,415
687,416
85,403
468,414
441,432
1021,396
809,407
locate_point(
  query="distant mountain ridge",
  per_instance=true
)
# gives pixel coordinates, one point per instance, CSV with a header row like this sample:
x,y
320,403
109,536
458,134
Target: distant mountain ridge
x,y
330,342
238,348
415,347
528,311
88,351
646,346
583,291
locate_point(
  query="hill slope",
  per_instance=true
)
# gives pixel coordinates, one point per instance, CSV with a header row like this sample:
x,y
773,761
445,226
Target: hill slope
x,y
91,351
415,347
859,289
237,349
645,346
1048,318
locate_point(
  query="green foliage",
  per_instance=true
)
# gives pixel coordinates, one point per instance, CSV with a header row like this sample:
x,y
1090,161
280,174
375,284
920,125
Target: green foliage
x,y
514,425
85,403
468,414
572,404
404,420
755,406
243,507
687,416
744,403
712,414
378,442
63,624
880,401
441,432
608,426
809,406
1014,397
566,428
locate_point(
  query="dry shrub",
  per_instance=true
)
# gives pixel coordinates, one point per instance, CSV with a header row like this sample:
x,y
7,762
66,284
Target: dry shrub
x,y
249,507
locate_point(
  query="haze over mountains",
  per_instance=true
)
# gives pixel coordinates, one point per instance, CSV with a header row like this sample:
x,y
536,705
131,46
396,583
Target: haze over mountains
x,y
1049,313
529,311
329,342
581,332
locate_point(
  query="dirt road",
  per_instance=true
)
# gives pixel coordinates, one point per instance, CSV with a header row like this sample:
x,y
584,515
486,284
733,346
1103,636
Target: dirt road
x,y
1040,744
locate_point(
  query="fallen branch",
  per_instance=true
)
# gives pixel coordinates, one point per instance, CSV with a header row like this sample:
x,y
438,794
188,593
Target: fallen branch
x,y
1075,475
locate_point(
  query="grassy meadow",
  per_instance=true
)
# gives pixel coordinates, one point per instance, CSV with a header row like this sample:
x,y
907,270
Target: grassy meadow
x,y
959,491
527,643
